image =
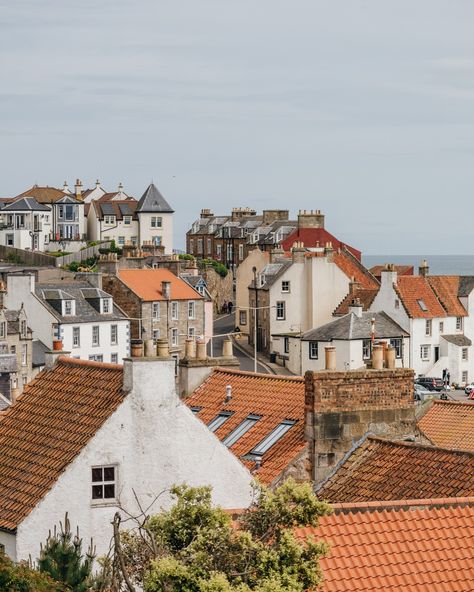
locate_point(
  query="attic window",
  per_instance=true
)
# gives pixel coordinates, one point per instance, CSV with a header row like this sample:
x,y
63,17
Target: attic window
x,y
272,438
422,305
68,308
103,482
240,430
219,420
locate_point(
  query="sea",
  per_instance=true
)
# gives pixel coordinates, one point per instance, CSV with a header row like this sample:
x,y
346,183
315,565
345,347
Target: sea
x,y
438,264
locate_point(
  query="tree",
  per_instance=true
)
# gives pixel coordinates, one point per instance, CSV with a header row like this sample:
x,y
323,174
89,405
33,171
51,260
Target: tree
x,y
195,547
61,558
22,578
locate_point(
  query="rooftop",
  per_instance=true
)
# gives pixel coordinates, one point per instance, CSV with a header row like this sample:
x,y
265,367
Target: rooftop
x,y
449,424
274,403
43,194
147,284
376,270
446,288
316,237
152,201
418,298
365,296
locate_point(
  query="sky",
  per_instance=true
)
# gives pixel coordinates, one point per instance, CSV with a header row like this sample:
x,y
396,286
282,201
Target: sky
x,y
361,108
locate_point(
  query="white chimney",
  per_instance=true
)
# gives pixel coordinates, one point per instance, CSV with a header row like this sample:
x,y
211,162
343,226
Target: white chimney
x,y
228,393
166,289
356,307
388,276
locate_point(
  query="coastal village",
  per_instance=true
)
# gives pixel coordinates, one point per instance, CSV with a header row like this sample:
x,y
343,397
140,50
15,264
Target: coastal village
x,y
265,351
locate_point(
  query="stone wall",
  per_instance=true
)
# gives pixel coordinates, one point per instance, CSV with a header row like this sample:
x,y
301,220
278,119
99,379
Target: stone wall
x,y
343,406
126,300
220,289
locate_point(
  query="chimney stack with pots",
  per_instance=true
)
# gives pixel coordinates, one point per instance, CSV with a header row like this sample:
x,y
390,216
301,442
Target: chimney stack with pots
x,y
298,252
355,307
166,289
424,268
78,189
310,219
51,356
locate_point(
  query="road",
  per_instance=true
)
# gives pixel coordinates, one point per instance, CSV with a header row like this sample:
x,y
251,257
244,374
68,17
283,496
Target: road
x,y
226,324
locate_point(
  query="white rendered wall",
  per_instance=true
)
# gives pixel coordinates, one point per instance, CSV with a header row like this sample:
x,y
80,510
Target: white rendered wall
x,y
119,229
295,302
156,441
166,231
9,542
105,347
244,277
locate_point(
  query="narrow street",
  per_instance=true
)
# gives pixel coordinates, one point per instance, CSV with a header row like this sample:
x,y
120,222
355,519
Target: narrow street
x,y
226,324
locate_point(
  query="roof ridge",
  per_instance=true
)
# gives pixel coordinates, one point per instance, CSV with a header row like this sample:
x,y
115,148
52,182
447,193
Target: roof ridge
x,y
66,360
361,266
383,506
421,446
223,369
461,403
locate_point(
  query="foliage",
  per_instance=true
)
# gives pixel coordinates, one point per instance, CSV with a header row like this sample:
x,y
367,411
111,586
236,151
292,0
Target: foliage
x,y
220,268
62,559
186,257
14,258
89,263
58,253
22,578
195,547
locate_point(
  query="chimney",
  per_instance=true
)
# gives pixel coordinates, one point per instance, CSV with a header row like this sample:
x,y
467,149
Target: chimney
x,y
97,183
206,213
356,307
120,188
329,252
65,187
228,393
377,357
227,350
166,289
354,286
330,358
150,379
298,252
51,356
310,219
277,254
388,276
424,268
269,216
92,278
78,189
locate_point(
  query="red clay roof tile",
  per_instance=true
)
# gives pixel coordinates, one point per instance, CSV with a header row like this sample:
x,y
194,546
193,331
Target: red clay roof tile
x,y
354,269
146,284
365,296
316,237
412,290
446,288
376,270
450,424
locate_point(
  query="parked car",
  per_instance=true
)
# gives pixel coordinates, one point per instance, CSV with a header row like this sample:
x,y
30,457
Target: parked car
x,y
430,383
471,396
469,388
420,393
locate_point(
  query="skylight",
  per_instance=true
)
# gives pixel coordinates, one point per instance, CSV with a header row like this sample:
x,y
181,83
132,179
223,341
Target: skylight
x,y
272,438
216,423
196,409
422,305
240,430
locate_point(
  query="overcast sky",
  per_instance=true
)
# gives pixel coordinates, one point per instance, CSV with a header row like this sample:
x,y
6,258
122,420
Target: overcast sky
x,y
363,109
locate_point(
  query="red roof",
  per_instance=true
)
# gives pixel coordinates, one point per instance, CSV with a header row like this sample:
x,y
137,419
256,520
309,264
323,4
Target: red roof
x,y
449,424
147,284
446,288
273,398
398,549
366,297
418,298
316,237
353,268
376,270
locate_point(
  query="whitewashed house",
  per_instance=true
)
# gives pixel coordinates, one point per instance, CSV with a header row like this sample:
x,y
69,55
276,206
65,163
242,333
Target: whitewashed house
x,y
115,220
26,224
113,435
155,218
78,312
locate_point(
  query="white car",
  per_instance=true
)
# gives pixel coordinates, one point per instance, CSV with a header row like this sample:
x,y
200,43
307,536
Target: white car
x,y
469,388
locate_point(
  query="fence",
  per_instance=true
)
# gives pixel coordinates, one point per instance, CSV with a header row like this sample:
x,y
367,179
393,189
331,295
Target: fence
x,y
38,259
81,255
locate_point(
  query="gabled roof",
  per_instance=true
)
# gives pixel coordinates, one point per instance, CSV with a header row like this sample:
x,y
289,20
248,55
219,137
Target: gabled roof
x,y
380,470
365,296
351,327
68,199
147,284
43,194
316,237
449,424
353,268
115,195
274,398
118,208
25,204
398,549
446,288
51,422
152,201
376,270
418,298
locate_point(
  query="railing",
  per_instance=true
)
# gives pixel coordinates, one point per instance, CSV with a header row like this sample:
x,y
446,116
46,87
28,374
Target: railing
x,y
57,238
36,227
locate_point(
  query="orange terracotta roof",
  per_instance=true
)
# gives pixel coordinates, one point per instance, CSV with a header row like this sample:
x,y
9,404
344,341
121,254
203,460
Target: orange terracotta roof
x,y
376,270
398,550
146,284
411,290
44,194
365,296
446,288
53,419
274,398
381,470
449,424
354,269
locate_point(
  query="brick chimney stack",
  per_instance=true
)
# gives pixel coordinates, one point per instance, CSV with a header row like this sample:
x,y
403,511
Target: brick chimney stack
x,y
78,189
298,252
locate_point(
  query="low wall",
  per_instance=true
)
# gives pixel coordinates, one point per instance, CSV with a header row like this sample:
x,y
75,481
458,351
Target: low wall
x,y
22,257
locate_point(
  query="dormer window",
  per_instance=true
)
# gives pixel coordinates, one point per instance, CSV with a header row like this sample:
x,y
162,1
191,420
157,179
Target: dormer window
x,y
106,305
262,280
127,220
3,330
68,308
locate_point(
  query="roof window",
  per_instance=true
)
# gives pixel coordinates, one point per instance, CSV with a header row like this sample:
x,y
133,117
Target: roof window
x,y
216,423
422,305
240,430
272,438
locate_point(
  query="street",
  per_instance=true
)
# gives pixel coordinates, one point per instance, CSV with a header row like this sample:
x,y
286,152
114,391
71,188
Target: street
x,y
226,324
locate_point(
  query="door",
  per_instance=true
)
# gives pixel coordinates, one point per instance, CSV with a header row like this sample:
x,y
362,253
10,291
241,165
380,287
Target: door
x,y
436,354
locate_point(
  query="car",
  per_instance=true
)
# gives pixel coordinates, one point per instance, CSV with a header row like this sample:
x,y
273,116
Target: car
x,y
430,383
471,396
421,394
469,388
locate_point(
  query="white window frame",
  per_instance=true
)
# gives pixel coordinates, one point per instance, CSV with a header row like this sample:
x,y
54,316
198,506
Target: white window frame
x,y
285,286
218,252
286,345
465,354
103,482
156,334
76,337
3,329
68,308
155,310
96,338
113,334
127,220
242,317
428,327
174,337
191,332
441,327
106,305
459,323
465,377
313,355
241,252
191,309
24,354
425,352
281,310
114,358
174,310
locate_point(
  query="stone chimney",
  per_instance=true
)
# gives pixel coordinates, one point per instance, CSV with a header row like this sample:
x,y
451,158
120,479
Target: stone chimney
x,y
310,219
424,268
270,216
78,189
356,307
206,213
51,356
354,286
329,252
298,252
166,289
277,254
388,276
92,278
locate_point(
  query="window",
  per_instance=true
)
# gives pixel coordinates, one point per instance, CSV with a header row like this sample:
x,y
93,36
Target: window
x,y
199,246
465,376
97,358
216,423
287,345
196,409
428,325
13,349
106,305
3,331
243,317
95,335
156,222
60,212
127,220
458,323
218,252
174,337
441,326
366,349
121,240
156,240
114,358
397,344
103,482
23,328
285,286
209,246
67,308
425,352
280,311
24,354
109,220
76,337
191,332
272,438
174,311
155,310
113,334
9,239
422,305
241,252
313,350
464,353
240,430
191,309
24,379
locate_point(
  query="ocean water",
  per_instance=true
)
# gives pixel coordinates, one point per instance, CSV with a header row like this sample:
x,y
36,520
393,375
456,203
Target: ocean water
x,y
439,264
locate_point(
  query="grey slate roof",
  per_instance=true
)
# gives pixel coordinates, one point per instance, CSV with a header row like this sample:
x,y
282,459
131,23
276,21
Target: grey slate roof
x,y
67,199
4,403
152,201
466,285
459,340
272,271
351,326
26,204
8,363
39,351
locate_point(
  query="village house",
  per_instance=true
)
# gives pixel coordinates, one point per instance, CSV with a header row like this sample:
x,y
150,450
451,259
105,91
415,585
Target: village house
x,y
449,424
115,438
16,338
25,224
76,311
160,305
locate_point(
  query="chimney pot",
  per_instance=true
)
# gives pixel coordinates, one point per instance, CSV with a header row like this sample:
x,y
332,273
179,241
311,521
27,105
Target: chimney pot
x,y
330,357
201,353
166,289
163,348
228,393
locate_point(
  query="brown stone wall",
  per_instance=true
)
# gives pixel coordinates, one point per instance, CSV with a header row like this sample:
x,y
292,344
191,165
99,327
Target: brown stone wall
x,y
341,407
299,470
220,289
126,300
263,321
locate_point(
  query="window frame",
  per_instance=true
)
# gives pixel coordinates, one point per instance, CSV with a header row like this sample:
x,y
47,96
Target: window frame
x,y
286,345
76,332
242,317
286,287
459,323
114,338
428,327
174,337
174,310
103,482
397,343
244,426
191,309
311,346
272,438
425,347
280,307
96,342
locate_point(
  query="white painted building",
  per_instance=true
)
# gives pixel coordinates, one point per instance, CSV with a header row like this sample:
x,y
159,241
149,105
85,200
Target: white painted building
x,y
119,433
155,217
80,314
26,224
114,220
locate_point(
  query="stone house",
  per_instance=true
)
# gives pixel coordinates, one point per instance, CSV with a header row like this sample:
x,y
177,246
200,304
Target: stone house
x,y
256,259
16,338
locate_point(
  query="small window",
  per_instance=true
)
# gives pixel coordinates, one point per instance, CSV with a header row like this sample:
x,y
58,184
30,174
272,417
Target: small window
x,y
366,349
465,377
96,358
103,482
156,334
24,354
287,345
174,337
441,327
121,240
155,310
243,317
3,329
458,323
106,305
127,220
425,352
240,430
95,335
465,353
241,252
24,379
23,328
280,311
113,334
397,344
13,349
216,423
209,246
76,336
67,308
174,311
422,305
272,438
313,350
191,309
218,251
285,286
156,222
114,358
191,332
10,240
428,326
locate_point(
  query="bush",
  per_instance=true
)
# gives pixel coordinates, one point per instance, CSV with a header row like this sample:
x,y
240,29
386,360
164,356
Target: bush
x,y
220,268
22,578
186,257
